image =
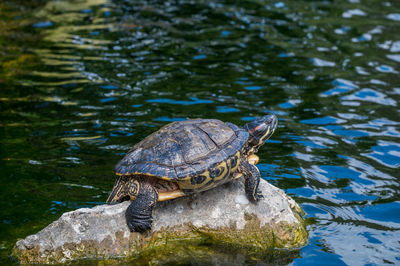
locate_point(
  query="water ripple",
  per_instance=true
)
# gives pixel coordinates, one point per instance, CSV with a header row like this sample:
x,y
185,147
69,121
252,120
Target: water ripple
x,y
83,81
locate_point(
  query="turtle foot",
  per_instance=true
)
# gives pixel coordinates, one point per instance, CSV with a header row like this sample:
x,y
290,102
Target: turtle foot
x,y
138,219
138,222
139,213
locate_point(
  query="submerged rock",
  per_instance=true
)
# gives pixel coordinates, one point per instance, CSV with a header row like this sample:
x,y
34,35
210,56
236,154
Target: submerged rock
x,y
203,226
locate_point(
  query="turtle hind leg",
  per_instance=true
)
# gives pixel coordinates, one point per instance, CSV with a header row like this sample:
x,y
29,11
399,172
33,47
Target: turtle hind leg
x,y
252,180
139,213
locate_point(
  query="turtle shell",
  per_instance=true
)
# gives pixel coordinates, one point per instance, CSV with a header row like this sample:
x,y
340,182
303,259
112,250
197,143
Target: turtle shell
x,y
184,149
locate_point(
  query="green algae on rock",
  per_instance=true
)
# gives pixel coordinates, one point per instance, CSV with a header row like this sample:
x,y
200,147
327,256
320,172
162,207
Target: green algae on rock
x,y
206,225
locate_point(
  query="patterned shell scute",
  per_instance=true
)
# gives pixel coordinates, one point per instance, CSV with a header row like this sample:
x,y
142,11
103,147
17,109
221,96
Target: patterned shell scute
x,y
183,148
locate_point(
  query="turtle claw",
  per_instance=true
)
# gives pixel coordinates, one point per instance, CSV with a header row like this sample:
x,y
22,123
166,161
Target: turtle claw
x,y
139,226
258,196
130,226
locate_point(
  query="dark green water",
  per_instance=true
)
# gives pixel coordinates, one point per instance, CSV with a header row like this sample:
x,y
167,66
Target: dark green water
x,y
82,81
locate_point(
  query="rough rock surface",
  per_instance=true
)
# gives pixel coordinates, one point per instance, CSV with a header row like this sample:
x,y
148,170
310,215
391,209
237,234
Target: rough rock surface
x,y
222,216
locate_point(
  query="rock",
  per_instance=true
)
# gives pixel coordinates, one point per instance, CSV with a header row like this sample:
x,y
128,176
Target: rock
x,y
203,226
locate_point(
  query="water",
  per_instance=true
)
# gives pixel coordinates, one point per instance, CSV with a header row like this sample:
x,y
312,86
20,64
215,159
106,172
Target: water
x,y
82,81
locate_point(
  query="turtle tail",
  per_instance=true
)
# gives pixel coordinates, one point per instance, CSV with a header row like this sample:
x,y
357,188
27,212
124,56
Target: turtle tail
x,y
118,191
139,213
125,188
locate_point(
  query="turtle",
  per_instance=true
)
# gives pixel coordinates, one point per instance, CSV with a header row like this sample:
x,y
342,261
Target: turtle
x,y
186,157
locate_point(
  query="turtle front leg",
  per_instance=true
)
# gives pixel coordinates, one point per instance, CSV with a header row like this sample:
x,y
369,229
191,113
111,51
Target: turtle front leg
x,y
252,180
139,213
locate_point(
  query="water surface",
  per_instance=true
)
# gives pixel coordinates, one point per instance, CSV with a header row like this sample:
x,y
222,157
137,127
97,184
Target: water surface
x,y
82,81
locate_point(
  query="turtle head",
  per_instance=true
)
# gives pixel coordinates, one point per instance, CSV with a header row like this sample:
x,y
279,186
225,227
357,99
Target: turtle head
x,y
259,131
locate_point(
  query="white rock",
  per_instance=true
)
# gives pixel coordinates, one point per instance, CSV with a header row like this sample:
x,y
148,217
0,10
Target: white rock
x,y
223,214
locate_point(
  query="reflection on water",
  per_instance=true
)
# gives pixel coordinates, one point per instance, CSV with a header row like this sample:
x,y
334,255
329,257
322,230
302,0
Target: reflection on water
x,y
82,81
